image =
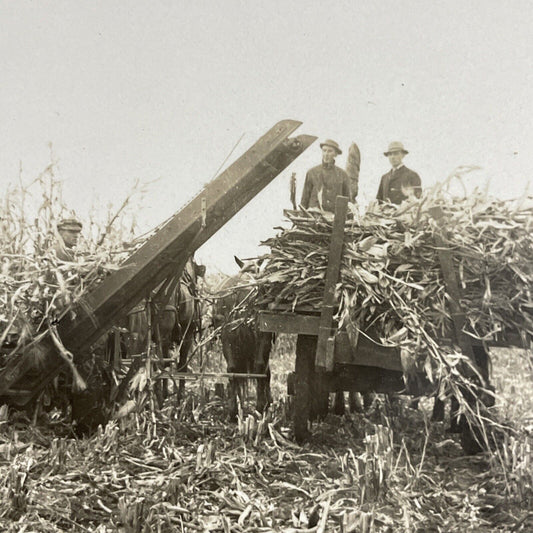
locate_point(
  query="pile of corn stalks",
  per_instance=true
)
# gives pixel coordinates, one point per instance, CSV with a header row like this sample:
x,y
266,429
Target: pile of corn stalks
x,y
391,276
391,281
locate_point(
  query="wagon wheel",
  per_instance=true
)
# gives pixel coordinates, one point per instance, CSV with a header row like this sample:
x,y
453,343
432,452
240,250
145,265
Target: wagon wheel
x,y
472,436
320,397
304,378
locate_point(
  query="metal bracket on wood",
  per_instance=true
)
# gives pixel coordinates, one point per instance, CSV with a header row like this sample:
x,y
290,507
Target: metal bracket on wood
x,y
203,209
324,359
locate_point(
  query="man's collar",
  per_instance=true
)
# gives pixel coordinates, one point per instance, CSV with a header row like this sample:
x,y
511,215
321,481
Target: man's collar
x,y
397,168
328,165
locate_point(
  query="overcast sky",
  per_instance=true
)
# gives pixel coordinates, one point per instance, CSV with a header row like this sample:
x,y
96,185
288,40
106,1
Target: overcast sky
x,y
164,89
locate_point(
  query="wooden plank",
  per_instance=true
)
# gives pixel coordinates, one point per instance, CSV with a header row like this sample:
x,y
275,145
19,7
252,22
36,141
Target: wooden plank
x,y
510,341
156,259
452,288
288,323
367,353
324,359
330,352
194,376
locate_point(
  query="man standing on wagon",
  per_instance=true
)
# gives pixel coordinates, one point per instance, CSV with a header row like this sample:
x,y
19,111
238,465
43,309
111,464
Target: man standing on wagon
x,y
325,182
400,183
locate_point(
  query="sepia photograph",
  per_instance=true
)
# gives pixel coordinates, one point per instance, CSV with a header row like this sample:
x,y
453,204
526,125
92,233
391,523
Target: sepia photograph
x,y
266,266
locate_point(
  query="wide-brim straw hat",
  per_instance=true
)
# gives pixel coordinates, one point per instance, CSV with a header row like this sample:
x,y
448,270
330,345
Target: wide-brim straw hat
x,y
395,147
69,224
332,144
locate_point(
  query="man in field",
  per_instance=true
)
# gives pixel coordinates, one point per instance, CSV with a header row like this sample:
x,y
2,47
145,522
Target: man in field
x,y
69,231
400,183
326,181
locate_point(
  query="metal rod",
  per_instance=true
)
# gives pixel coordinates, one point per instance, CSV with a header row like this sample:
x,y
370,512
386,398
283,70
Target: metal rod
x,y
198,375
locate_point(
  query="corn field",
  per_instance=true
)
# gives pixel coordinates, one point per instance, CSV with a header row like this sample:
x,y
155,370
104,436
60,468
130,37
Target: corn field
x,y
183,467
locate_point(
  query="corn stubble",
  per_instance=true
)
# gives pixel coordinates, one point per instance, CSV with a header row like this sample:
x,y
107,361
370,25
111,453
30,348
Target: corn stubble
x,y
195,473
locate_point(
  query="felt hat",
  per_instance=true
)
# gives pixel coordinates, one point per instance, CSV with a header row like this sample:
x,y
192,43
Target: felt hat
x,y
395,147
332,144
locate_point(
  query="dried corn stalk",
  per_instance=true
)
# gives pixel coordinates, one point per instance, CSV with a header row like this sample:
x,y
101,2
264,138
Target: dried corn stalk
x,y
353,166
35,286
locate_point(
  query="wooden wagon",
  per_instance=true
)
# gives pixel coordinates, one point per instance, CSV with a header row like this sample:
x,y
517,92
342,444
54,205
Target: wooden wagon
x,y
326,361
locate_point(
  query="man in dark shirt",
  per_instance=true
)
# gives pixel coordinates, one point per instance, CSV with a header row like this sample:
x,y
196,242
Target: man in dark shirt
x,y
400,183
325,182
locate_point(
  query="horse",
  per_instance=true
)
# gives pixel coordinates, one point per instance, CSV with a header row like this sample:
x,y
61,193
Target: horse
x,y
173,316
245,348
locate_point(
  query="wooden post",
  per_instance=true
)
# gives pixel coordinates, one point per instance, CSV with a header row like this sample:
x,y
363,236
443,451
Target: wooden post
x,y
470,436
452,288
326,342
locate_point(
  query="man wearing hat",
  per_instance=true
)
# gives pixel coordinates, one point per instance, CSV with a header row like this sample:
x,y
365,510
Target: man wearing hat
x,y
325,182
69,230
400,183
